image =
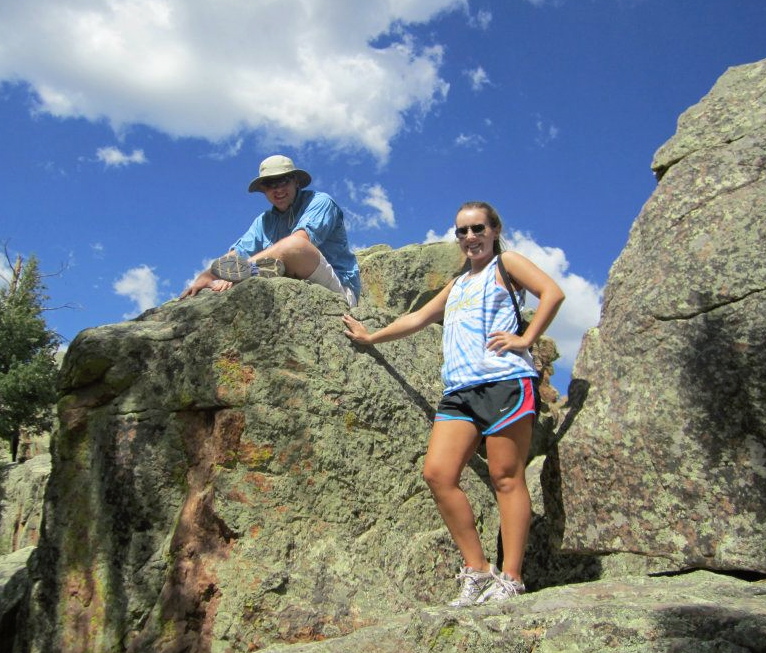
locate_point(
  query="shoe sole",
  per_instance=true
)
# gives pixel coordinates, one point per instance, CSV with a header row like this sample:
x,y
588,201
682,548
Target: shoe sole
x,y
232,268
268,268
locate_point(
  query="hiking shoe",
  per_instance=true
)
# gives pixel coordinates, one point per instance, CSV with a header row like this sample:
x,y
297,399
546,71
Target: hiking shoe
x,y
233,268
271,267
501,588
474,584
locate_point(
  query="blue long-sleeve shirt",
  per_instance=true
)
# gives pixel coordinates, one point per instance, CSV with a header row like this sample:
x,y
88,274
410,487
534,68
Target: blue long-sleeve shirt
x,y
321,218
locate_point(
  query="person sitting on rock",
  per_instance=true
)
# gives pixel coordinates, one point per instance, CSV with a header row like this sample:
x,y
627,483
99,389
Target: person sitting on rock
x,y
302,236
490,392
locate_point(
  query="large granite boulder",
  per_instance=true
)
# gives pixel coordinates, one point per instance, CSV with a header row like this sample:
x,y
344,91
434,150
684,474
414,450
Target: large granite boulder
x,y
405,281
664,452
231,474
231,471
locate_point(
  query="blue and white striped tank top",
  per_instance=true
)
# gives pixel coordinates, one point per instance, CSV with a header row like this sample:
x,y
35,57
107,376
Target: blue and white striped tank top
x,y
476,307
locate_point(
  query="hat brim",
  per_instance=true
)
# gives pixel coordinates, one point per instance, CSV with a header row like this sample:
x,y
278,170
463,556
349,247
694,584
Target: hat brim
x,y
304,179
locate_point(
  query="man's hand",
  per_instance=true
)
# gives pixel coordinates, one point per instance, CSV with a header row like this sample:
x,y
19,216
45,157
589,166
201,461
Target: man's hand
x,y
206,280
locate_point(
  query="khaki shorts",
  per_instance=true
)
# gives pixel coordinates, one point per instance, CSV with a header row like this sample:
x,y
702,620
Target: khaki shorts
x,y
325,276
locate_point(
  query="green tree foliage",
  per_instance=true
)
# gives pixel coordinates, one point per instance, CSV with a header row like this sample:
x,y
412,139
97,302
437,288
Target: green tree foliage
x,y
27,353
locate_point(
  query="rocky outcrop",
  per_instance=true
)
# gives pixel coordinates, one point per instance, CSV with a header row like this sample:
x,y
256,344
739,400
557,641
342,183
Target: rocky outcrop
x,y
14,586
664,454
231,474
231,471
406,281
22,486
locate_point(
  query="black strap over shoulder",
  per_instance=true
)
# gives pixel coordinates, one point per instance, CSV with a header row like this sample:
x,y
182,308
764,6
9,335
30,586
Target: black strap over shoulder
x,y
521,324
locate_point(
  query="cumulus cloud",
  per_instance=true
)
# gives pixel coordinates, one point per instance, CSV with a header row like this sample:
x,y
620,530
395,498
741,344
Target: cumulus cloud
x,y
582,308
139,285
375,197
288,70
112,157
479,78
433,237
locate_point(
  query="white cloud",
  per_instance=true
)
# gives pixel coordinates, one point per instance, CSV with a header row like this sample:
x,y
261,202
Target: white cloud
x,y
206,263
112,157
227,150
473,141
433,237
482,19
288,70
546,132
582,308
479,78
6,273
139,285
375,197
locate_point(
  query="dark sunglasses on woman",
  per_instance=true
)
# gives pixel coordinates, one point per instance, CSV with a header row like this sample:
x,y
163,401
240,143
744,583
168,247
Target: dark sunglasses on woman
x,y
477,229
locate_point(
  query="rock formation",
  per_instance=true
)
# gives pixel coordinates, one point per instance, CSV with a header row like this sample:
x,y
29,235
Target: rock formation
x,y
664,454
232,474
22,486
230,468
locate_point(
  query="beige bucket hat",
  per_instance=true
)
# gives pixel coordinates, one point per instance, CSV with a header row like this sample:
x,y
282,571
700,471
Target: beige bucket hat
x,y
278,165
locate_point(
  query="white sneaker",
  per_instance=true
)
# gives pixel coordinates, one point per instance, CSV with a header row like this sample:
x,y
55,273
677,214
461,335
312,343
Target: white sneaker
x,y
474,583
501,588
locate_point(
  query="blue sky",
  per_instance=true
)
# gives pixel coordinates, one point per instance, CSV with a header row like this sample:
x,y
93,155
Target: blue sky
x,y
131,129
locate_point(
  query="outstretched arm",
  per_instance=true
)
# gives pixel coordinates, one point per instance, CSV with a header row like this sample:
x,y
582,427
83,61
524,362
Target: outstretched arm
x,y
402,326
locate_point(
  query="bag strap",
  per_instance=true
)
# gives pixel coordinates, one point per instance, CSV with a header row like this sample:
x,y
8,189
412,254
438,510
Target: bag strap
x,y
509,285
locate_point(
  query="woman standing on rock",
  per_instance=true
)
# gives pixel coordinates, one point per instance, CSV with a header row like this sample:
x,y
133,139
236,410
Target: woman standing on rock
x,y
490,391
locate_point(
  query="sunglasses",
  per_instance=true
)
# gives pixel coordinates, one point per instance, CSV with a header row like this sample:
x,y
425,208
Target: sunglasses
x,y
477,229
271,184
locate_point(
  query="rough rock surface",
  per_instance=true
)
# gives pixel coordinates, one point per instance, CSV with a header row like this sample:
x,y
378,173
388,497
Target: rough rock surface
x,y
14,585
664,452
230,471
22,486
406,281
695,613
231,474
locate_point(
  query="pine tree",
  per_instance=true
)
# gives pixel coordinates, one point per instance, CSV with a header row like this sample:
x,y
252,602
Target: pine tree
x,y
27,353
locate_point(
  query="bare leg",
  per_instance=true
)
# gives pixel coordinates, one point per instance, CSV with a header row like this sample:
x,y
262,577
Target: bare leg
x,y
507,453
452,445
298,254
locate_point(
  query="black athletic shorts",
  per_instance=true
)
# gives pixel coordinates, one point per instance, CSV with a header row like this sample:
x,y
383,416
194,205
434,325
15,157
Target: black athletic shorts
x,y
491,406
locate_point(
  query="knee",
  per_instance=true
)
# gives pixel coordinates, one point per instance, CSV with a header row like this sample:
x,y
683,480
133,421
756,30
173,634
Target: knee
x,y
430,475
436,478
506,482
299,255
293,245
